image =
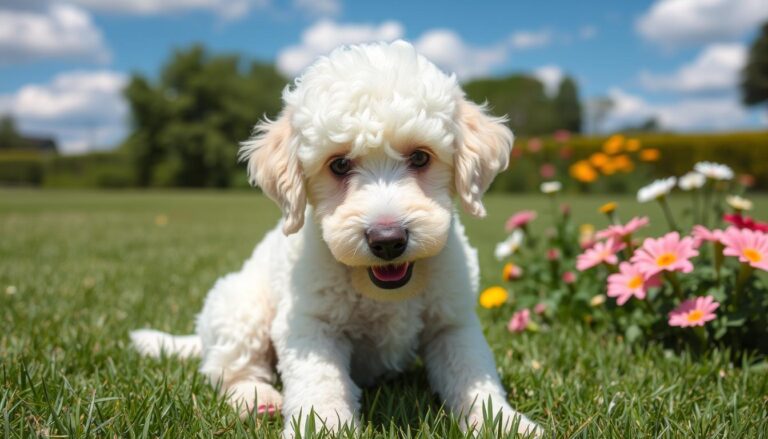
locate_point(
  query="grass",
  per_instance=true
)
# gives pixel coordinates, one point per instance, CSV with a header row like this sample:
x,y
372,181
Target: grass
x,y
81,269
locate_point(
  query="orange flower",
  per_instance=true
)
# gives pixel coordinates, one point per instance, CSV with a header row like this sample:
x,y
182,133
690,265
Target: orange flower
x,y
583,171
598,159
650,155
632,145
614,144
608,168
623,163
493,297
512,272
607,208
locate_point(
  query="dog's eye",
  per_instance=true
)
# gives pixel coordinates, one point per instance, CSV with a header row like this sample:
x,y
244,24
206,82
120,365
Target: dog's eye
x,y
419,159
341,166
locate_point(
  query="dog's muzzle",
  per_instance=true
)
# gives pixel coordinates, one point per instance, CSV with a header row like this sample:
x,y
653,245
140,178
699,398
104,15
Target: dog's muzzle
x,y
387,242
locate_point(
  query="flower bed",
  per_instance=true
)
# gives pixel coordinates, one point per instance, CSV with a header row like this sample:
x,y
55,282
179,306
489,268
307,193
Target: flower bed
x,y
699,285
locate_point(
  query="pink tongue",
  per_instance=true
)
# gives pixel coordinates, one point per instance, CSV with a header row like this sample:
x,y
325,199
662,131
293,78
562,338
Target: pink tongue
x,y
390,273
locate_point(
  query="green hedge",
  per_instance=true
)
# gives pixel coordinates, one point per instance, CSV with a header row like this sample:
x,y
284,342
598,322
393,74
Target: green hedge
x,y
98,169
21,168
745,152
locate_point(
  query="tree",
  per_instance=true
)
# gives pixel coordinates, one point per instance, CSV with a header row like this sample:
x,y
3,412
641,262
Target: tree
x,y
187,124
567,105
9,135
754,84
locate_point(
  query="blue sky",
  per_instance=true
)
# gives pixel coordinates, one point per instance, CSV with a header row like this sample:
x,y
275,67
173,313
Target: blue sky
x,y
63,62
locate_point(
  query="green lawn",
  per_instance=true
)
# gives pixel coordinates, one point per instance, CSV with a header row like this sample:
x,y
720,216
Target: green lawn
x,y
79,270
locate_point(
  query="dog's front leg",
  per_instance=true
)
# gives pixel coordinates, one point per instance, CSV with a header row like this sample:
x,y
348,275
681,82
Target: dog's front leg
x,y
314,364
462,370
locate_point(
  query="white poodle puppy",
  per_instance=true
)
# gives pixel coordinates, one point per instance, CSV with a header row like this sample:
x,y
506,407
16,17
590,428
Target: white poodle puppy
x,y
371,146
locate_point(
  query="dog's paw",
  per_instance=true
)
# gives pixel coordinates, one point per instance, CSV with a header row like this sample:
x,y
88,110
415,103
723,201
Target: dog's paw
x,y
254,396
526,428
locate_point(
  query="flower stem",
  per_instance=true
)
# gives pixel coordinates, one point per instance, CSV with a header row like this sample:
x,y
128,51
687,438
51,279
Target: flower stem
x,y
744,273
696,208
708,189
668,214
718,259
672,278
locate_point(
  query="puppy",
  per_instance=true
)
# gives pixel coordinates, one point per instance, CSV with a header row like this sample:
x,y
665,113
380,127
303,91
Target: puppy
x,y
369,267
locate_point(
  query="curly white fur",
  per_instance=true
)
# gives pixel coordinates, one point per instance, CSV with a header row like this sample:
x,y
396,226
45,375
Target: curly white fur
x,y
304,301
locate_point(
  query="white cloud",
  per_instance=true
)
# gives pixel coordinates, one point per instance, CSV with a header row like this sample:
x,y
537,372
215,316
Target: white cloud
x,y
530,39
325,35
322,8
446,49
82,109
227,9
551,76
691,114
715,70
685,22
55,31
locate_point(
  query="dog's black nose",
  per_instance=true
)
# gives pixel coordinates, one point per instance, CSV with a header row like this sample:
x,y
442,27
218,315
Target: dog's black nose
x,y
387,242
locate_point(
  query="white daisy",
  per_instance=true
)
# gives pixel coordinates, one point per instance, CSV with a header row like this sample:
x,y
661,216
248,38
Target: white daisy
x,y
656,190
738,202
510,245
692,180
715,171
550,187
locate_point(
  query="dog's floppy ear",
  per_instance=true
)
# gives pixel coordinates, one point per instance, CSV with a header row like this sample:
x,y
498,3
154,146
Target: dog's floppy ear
x,y
275,168
482,151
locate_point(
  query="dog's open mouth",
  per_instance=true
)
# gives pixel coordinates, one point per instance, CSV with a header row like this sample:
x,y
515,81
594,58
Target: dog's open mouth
x,y
391,276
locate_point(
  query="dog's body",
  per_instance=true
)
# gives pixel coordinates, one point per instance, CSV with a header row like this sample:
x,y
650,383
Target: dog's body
x,y
383,272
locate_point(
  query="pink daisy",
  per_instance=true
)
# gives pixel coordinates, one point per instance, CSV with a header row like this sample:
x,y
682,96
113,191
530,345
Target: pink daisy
x,y
520,219
519,321
694,312
701,234
601,252
620,231
668,253
751,247
569,277
629,282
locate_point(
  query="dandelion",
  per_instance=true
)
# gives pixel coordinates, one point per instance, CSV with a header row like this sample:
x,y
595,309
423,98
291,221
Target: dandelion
x,y
629,282
738,203
520,220
510,245
551,187
511,272
692,180
493,297
668,253
584,172
650,155
602,252
694,312
715,171
519,321
619,231
751,247
656,190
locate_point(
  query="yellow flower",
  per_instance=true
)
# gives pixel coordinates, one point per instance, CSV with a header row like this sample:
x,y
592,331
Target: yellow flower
x,y
650,155
606,208
597,301
583,172
738,203
598,159
632,145
511,272
614,144
493,297
586,233
623,163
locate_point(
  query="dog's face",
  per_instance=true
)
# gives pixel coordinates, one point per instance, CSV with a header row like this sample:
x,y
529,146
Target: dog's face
x,y
378,140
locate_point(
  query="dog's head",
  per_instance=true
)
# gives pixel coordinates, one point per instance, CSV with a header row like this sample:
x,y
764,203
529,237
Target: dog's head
x,y
378,140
